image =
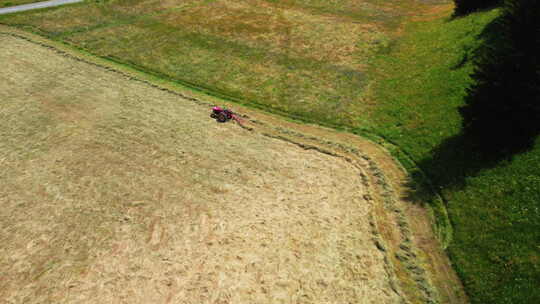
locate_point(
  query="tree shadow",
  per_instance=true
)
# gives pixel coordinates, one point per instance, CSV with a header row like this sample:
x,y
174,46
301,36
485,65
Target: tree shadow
x,y
462,9
453,161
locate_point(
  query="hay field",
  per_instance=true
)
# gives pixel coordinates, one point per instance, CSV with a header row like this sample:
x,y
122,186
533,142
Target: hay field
x,y
116,192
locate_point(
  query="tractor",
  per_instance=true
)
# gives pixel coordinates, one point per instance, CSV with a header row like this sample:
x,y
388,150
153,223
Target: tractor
x,y
221,114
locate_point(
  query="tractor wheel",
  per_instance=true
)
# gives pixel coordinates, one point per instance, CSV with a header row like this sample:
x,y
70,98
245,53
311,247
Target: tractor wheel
x,y
222,117
213,115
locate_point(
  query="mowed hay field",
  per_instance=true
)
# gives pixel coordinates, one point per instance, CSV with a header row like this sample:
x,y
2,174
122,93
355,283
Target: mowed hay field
x,y
303,58
117,192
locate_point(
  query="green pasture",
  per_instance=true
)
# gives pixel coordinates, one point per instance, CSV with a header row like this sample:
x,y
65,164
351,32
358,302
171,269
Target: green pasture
x,y
305,58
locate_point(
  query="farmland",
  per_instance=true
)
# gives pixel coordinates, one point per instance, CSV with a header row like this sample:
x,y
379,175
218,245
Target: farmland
x,y
393,71
118,188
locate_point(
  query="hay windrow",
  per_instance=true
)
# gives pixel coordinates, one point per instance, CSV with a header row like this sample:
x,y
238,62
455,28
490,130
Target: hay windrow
x,y
404,267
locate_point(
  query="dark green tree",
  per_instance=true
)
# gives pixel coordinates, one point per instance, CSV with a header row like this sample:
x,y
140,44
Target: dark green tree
x,y
502,108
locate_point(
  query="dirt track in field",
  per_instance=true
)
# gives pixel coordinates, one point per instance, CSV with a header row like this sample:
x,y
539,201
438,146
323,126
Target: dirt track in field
x,y
116,191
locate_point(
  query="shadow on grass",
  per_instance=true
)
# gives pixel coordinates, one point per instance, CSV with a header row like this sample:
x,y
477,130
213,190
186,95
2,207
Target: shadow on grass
x,y
462,9
444,171
449,165
485,145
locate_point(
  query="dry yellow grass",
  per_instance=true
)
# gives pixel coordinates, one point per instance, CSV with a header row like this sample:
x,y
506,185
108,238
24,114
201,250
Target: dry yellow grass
x,y
113,191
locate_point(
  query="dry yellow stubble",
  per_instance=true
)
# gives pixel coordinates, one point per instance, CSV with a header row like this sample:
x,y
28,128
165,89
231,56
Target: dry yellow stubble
x,y
116,192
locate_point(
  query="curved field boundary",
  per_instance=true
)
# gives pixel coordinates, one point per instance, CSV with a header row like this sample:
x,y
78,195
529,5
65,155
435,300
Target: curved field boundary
x,y
420,270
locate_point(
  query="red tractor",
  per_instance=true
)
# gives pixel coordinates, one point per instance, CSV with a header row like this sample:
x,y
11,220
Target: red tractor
x,y
222,115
